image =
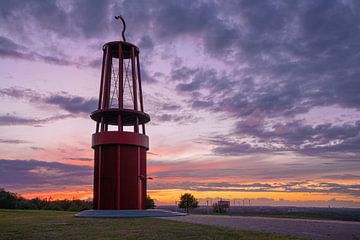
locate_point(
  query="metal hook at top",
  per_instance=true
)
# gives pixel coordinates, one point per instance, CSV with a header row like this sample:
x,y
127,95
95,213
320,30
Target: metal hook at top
x,y
124,26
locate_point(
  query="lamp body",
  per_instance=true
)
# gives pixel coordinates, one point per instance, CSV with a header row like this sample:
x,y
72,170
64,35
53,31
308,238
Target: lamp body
x,y
120,142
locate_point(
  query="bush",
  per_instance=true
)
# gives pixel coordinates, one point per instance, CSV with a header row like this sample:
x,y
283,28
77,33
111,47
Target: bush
x,y
149,204
7,199
10,200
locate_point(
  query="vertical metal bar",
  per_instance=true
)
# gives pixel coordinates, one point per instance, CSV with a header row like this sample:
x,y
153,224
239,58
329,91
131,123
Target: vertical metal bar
x,y
95,187
99,176
133,71
97,127
139,179
140,89
121,76
119,122
118,177
121,87
139,80
135,94
143,128
101,81
109,82
102,125
136,125
145,182
105,79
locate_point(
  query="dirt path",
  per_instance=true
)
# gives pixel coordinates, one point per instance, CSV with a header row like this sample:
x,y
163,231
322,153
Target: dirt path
x,y
310,229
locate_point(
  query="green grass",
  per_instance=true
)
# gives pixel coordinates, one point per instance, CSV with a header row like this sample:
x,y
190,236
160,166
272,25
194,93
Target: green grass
x,y
32,224
311,216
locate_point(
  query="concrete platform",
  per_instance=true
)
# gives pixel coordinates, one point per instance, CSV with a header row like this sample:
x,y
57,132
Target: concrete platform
x,y
127,213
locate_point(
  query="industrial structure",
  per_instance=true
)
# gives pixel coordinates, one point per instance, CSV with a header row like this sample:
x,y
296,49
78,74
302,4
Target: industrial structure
x,y
120,142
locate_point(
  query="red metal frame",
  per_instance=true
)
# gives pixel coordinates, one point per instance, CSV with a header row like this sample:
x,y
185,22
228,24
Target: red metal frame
x,y
120,156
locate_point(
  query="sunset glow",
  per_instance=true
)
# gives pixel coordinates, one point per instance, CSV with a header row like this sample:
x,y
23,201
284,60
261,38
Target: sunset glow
x,y
255,102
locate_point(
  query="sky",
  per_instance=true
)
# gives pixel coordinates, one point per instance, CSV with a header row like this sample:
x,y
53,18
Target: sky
x,y
249,99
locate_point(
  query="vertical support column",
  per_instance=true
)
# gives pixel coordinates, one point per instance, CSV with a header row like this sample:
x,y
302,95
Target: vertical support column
x,y
121,76
95,187
139,82
144,196
121,87
108,79
102,129
135,94
140,89
106,82
102,81
99,177
139,185
101,88
118,177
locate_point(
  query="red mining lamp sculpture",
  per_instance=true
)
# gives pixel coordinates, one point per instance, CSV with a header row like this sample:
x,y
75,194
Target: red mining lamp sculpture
x,y
120,142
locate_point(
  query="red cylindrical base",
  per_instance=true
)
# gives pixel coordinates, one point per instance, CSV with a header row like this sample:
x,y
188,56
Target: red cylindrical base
x,y
120,170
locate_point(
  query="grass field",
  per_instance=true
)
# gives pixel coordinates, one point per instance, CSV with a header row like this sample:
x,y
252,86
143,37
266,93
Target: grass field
x,y
32,224
319,213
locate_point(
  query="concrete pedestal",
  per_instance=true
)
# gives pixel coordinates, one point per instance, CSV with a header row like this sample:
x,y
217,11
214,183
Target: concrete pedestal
x,y
127,213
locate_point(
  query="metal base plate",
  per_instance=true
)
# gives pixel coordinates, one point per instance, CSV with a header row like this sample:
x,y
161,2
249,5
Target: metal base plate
x,y
127,213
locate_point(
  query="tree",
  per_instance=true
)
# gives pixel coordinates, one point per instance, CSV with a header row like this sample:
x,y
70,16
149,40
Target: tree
x,y
149,204
187,201
14,201
7,199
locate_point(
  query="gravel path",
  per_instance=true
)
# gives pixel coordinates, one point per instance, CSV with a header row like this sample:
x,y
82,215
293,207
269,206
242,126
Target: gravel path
x,y
308,229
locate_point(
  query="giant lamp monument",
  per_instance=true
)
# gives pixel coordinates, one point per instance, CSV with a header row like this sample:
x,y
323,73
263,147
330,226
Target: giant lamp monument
x,y
120,143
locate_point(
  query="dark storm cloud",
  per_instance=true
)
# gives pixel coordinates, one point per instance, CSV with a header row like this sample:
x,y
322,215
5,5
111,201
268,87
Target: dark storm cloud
x,y
285,58
297,56
9,49
66,19
37,148
147,77
10,120
72,104
167,111
199,104
146,43
259,165
305,187
79,159
62,100
23,174
7,44
156,21
194,82
327,140
189,175
13,141
342,177
170,106
6,120
175,118
182,73
308,51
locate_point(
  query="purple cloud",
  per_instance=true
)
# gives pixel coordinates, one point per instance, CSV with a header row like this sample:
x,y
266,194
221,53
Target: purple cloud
x,y
62,100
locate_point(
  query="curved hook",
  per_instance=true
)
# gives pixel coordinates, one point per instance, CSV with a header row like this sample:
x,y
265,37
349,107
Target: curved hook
x,y
124,26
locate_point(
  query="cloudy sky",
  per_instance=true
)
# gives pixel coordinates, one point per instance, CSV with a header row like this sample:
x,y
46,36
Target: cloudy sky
x,y
248,99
